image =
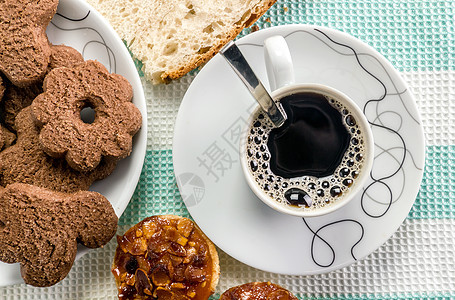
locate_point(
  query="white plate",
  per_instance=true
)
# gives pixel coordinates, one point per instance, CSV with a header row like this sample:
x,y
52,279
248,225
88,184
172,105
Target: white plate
x,y
213,114
78,25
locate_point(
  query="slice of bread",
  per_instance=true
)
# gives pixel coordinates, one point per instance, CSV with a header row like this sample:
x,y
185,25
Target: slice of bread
x,y
173,37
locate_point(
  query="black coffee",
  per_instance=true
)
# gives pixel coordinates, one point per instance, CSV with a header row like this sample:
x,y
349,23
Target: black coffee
x,y
313,139
313,159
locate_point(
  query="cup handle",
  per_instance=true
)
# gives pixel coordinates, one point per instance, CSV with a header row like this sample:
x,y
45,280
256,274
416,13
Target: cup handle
x,y
278,62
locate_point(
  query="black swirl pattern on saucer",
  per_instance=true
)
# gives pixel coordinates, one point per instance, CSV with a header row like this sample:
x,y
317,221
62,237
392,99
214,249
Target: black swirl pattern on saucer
x,y
68,23
385,123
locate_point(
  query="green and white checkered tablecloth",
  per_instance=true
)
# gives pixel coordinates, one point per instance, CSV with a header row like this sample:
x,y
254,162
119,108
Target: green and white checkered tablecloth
x,y
418,262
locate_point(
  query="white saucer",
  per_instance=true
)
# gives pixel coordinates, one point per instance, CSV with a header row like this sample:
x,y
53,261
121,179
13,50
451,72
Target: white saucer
x,y
206,162
78,25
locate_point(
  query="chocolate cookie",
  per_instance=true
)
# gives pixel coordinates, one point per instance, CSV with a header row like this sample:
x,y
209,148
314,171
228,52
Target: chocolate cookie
x,y
257,290
67,92
6,137
26,162
64,56
2,88
24,47
17,98
40,229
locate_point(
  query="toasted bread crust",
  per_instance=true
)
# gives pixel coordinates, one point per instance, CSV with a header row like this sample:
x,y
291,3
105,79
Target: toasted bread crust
x,y
200,59
169,45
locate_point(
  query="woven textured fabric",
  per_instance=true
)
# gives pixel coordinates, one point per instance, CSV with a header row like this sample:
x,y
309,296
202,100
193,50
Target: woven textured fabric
x,y
162,106
434,92
437,191
413,264
157,192
418,261
413,35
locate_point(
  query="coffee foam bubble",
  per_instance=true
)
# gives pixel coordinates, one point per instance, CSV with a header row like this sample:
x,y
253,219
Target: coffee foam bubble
x,y
323,191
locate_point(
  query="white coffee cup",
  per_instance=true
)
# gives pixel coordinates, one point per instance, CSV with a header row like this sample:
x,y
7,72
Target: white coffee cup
x,y
289,194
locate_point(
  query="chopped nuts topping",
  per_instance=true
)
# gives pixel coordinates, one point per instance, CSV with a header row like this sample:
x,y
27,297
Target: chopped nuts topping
x,y
182,241
163,258
185,226
160,276
258,290
142,284
177,285
191,294
149,229
177,249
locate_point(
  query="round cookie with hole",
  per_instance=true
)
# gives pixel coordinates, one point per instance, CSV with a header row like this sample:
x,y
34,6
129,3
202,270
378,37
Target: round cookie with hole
x,y
85,113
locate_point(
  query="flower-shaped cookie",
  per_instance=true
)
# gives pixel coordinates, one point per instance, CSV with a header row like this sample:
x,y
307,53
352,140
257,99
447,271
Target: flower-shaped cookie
x,y
16,98
24,48
26,162
70,91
